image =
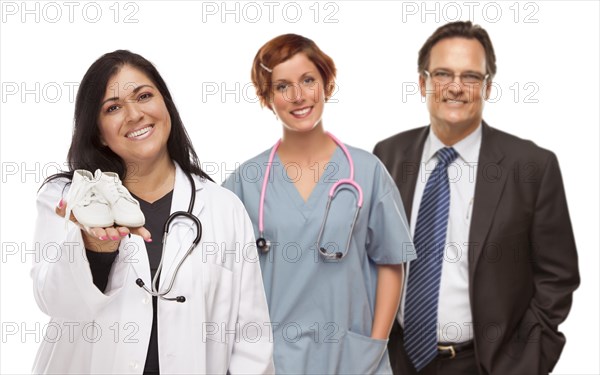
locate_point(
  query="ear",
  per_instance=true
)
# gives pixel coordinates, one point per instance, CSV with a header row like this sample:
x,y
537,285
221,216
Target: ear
x,y
328,91
422,85
488,90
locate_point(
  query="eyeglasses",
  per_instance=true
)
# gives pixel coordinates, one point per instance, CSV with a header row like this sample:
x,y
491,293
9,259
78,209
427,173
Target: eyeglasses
x,y
444,77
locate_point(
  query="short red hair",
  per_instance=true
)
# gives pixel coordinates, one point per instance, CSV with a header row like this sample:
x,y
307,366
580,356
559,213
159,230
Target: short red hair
x,y
281,49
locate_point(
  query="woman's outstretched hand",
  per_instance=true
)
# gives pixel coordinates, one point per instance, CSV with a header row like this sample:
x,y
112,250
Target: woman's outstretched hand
x,y
103,239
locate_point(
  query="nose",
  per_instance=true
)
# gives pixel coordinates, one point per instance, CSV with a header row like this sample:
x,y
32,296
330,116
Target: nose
x,y
134,112
455,87
294,94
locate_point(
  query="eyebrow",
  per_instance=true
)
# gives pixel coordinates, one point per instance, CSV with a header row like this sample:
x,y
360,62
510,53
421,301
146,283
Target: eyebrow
x,y
135,91
450,70
303,75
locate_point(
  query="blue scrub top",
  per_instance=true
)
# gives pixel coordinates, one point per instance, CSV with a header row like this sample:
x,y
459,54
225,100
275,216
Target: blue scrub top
x,y
322,310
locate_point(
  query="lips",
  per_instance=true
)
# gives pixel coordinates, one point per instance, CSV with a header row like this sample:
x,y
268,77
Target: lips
x,y
139,133
302,112
455,102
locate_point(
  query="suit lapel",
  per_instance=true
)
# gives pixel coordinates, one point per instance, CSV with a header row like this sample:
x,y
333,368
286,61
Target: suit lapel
x,y
491,179
408,171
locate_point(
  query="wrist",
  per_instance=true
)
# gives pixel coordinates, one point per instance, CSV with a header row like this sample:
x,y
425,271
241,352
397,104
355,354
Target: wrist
x,y
378,334
100,246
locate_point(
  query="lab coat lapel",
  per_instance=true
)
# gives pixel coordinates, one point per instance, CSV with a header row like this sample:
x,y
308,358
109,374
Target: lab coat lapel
x,y
132,251
181,232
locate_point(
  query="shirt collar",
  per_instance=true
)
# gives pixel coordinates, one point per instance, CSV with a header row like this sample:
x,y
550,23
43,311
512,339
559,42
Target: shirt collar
x,y
467,148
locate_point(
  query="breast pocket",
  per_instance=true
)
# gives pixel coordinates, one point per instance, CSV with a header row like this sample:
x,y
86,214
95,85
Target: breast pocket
x,y
339,220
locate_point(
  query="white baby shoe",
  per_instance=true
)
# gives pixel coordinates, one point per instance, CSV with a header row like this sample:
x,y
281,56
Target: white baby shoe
x,y
89,208
125,209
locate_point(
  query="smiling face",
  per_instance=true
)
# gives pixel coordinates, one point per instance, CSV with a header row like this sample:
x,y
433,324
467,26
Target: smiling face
x,y
455,108
298,93
134,121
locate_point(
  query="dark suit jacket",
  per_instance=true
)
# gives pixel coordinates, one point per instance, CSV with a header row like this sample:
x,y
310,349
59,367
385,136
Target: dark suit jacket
x,y
522,257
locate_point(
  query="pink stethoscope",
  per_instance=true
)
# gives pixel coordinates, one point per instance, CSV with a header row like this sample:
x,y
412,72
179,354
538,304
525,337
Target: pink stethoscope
x,y
264,245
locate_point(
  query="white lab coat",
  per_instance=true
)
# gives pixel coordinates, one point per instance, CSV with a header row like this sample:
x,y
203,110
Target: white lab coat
x,y
223,325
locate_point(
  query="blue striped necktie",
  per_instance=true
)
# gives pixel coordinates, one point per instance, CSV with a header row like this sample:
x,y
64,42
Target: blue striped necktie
x,y
421,303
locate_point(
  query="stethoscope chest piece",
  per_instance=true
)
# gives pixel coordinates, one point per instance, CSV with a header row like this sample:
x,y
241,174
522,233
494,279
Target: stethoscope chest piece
x,y
263,245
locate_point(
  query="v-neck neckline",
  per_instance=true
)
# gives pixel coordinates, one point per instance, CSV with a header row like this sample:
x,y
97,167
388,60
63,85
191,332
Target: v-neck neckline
x,y
165,199
305,207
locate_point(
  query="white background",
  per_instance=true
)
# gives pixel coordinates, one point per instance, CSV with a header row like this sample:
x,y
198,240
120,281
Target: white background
x,y
547,53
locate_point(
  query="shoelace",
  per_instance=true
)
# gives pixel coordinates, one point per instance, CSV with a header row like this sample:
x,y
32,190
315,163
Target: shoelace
x,y
117,189
121,192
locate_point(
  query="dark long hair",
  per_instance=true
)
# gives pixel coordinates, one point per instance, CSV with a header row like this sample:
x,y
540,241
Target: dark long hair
x,y
88,152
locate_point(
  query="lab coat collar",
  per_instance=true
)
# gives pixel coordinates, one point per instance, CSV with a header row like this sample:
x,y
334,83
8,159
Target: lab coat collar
x,y
181,232
180,235
182,192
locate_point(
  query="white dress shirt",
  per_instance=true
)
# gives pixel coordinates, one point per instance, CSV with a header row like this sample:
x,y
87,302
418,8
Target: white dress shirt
x,y
454,307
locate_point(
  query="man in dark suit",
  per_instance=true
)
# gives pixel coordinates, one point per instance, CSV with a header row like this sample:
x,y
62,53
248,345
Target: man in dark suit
x,y
488,297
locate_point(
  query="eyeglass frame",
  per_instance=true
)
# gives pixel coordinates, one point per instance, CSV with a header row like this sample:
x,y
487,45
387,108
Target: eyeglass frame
x,y
460,77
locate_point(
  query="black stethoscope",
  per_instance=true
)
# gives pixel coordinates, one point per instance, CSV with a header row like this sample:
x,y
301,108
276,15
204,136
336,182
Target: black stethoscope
x,y
264,245
154,291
